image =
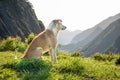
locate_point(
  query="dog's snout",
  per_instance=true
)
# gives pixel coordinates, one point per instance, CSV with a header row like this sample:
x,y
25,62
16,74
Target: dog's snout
x,y
64,27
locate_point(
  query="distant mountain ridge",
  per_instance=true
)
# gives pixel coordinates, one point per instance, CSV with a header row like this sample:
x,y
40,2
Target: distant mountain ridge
x,y
66,36
92,33
17,18
81,36
104,40
86,40
104,24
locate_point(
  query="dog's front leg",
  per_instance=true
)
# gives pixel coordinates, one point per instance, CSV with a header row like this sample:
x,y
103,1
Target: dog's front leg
x,y
53,55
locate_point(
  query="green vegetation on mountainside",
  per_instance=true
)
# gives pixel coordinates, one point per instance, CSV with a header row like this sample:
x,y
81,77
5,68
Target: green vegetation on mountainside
x,y
69,66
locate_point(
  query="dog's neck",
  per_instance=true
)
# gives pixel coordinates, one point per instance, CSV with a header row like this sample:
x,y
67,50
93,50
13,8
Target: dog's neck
x,y
54,30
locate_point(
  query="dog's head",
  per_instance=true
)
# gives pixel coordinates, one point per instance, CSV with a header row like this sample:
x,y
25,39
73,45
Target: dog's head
x,y
58,24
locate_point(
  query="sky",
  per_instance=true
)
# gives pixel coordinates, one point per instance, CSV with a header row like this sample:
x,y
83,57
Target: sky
x,y
75,14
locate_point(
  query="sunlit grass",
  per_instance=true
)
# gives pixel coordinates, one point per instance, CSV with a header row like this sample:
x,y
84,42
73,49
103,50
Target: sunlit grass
x,y
67,68
70,66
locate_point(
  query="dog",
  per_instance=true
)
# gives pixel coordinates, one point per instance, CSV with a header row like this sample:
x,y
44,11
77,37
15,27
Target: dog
x,y
45,41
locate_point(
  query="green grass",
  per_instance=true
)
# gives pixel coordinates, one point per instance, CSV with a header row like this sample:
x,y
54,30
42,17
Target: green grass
x,y
68,67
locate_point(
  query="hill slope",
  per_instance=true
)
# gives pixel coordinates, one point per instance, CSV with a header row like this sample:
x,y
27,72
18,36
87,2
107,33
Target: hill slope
x,y
68,68
104,24
104,39
115,47
17,18
85,37
81,36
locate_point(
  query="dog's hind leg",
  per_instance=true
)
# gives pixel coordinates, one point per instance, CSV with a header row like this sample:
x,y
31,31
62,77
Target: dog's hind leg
x,y
36,53
39,51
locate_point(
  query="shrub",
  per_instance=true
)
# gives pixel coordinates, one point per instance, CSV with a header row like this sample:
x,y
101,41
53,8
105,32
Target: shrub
x,y
62,53
11,65
68,65
99,57
12,44
30,38
34,69
32,65
117,62
76,54
104,57
9,44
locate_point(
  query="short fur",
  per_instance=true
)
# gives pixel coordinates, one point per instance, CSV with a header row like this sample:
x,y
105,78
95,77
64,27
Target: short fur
x,y
45,42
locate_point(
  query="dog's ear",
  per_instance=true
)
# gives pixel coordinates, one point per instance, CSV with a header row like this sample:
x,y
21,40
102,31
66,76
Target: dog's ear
x,y
55,21
59,20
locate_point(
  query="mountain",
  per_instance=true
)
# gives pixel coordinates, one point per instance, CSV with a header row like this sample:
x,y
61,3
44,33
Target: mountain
x,y
104,40
17,18
104,24
115,47
81,36
66,36
85,37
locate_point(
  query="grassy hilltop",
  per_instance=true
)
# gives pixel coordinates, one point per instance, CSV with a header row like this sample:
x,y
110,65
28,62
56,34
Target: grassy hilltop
x,y
69,66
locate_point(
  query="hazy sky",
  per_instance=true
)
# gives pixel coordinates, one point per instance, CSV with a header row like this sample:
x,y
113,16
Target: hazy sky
x,y
76,14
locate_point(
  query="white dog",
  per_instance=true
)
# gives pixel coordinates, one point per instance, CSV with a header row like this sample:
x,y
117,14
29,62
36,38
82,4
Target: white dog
x,y
45,41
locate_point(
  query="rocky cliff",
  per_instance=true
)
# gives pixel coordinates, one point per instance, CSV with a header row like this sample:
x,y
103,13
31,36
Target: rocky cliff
x,y
17,18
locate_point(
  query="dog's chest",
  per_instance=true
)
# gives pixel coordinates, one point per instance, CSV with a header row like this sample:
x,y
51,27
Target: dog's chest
x,y
50,41
47,41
